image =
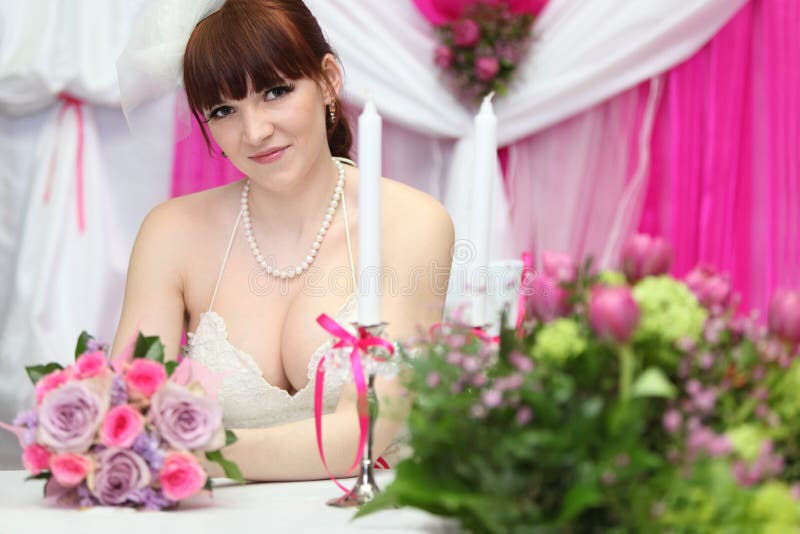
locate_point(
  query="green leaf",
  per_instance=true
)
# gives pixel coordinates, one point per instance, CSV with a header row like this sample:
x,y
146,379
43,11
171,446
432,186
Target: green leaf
x,y
171,366
209,484
230,468
83,343
653,383
578,499
36,372
44,475
230,438
149,348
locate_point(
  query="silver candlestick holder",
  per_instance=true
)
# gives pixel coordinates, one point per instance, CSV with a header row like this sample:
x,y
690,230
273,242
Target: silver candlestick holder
x,y
365,488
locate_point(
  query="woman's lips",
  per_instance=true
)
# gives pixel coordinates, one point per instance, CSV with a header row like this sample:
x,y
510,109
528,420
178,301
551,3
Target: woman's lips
x,y
270,157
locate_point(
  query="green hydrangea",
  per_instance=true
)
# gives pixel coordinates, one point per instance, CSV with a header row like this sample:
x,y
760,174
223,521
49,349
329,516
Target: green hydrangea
x,y
612,278
774,507
669,310
558,341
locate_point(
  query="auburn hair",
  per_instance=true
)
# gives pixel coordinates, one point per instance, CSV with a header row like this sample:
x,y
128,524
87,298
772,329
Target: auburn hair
x,y
263,42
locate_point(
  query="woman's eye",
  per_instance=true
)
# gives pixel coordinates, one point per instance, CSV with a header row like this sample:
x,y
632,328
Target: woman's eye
x,y
220,112
277,92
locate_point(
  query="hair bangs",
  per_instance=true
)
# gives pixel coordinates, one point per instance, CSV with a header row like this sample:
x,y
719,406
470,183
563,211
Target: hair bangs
x,y
260,54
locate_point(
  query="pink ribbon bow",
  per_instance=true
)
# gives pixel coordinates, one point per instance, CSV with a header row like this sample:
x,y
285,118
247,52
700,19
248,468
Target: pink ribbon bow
x,y
68,101
360,344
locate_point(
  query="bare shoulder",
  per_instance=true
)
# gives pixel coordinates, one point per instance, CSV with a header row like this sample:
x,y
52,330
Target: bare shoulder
x,y
417,220
176,222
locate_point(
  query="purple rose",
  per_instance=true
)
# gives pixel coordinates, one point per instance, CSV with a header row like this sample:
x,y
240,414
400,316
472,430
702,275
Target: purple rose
x,y
466,32
486,68
69,417
121,473
443,56
186,420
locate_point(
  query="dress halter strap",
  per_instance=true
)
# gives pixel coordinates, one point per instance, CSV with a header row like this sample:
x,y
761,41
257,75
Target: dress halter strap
x,y
347,229
236,226
225,260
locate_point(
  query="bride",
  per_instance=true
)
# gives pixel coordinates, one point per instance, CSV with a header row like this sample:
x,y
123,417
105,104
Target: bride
x,y
246,268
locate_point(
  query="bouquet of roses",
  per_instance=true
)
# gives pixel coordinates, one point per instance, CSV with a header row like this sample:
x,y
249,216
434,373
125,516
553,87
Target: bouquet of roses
x,y
123,432
480,50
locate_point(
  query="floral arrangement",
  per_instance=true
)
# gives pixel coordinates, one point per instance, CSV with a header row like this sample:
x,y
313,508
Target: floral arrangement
x,y
123,432
626,401
481,48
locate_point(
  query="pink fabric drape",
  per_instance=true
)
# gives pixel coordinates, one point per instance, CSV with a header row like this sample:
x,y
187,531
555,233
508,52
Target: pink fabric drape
x,y
725,185
194,169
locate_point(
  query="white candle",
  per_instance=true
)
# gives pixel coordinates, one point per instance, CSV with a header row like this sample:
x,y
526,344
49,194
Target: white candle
x,y
369,216
481,212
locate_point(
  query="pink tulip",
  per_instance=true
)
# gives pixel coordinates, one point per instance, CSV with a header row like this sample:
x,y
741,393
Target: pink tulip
x,y
644,256
486,68
784,316
711,288
466,33
443,56
547,299
559,266
613,313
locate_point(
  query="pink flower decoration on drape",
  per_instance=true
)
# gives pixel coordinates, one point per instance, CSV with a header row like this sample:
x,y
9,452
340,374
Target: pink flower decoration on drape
x,y
439,12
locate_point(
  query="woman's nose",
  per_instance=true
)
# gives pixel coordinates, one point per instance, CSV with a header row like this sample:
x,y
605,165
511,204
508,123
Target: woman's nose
x,y
257,125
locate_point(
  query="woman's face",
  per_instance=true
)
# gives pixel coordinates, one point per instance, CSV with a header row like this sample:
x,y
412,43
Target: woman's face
x,y
273,136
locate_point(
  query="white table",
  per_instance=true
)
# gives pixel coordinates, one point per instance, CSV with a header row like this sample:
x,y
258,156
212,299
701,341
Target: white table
x,y
286,507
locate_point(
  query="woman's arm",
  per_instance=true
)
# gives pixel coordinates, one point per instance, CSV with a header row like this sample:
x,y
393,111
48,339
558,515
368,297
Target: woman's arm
x,y
420,257
153,290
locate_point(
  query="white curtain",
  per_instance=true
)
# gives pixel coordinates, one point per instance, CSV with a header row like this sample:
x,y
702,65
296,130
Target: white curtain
x,y
586,51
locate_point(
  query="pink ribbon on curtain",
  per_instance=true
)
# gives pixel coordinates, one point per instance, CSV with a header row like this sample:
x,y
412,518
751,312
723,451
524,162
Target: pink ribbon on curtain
x,y
527,267
70,102
440,12
360,344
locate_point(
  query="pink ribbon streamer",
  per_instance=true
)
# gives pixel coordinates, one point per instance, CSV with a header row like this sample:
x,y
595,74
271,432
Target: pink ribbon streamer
x,y
360,344
527,267
70,102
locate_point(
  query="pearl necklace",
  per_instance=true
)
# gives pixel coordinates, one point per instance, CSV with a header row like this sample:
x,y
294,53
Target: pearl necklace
x,y
292,272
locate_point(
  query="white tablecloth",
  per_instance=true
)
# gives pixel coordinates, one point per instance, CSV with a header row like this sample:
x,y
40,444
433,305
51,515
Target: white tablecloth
x,y
286,507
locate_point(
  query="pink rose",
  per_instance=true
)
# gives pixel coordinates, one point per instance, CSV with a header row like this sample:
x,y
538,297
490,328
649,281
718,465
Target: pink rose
x,y
466,32
49,382
443,56
181,476
35,458
145,376
70,470
486,68
121,426
90,364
